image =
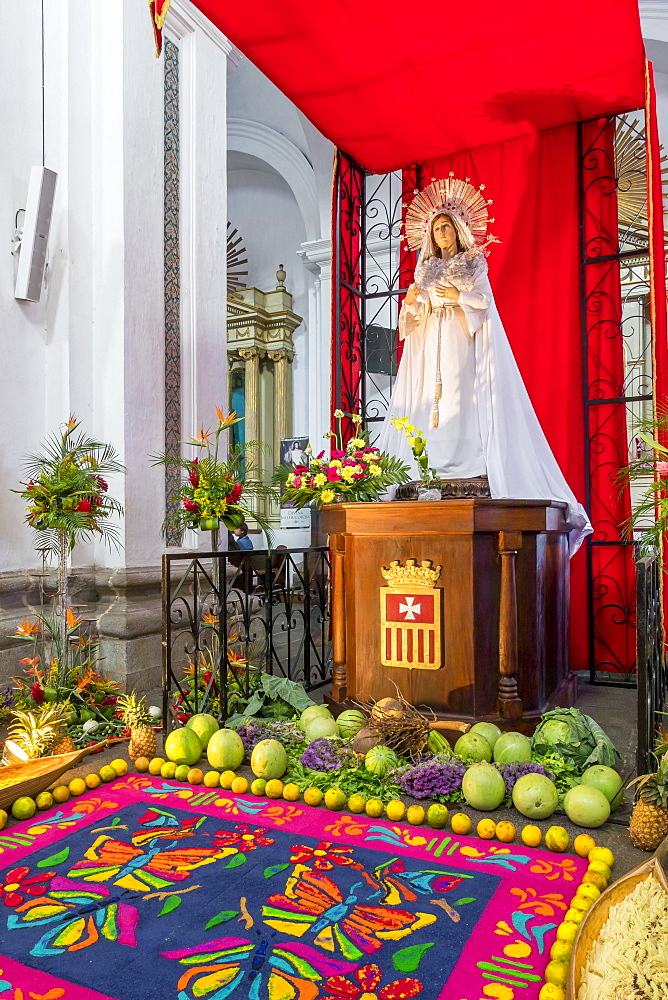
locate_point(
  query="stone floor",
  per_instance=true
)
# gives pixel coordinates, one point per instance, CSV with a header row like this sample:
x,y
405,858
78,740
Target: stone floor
x,y
613,708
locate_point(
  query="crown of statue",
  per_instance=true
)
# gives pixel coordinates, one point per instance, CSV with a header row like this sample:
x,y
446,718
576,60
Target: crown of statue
x,y
411,575
455,197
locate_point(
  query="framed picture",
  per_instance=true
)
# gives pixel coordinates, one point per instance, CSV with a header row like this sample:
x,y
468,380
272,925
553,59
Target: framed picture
x,y
293,451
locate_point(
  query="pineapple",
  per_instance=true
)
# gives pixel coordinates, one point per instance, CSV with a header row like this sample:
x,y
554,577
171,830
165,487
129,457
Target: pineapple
x,y
649,820
138,721
31,733
63,742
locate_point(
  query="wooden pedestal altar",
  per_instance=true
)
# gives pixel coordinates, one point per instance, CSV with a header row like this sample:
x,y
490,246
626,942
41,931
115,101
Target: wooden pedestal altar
x,y
503,593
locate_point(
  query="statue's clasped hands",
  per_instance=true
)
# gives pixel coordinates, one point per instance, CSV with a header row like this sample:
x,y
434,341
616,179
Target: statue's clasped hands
x,y
448,292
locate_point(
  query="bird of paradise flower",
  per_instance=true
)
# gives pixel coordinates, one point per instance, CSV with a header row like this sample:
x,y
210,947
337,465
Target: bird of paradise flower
x,y
313,904
80,913
271,970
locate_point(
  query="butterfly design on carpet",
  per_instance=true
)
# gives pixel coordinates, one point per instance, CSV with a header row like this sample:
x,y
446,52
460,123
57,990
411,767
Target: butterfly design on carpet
x,y
77,915
393,884
159,864
313,904
266,968
158,823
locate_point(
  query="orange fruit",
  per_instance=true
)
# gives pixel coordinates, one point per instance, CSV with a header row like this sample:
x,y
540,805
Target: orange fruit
x,y
291,792
93,780
415,815
274,788
486,829
212,779
61,793
43,801
505,832
394,810
120,766
77,786
155,765
195,776
531,835
226,779
313,796
258,786
583,844
4,817
142,764
240,785
374,808
461,824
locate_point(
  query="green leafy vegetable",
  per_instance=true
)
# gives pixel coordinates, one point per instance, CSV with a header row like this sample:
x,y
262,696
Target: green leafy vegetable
x,y
576,737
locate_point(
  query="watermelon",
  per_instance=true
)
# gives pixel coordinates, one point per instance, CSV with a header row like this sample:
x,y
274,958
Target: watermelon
x,y
205,726
379,760
225,750
269,760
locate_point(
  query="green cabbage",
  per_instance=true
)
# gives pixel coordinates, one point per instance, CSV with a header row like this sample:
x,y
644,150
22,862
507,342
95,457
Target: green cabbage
x,y
577,737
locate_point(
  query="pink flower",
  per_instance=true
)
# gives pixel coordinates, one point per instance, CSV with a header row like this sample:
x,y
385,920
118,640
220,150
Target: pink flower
x,y
662,469
321,455
36,693
338,454
30,485
83,507
190,506
333,475
101,483
301,468
297,481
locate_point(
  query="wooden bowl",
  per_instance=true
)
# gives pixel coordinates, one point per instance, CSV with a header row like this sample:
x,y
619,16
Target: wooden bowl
x,y
597,914
37,775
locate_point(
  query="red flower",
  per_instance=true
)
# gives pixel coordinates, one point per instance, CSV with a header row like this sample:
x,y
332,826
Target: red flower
x,y
109,700
333,475
97,500
17,882
83,507
30,485
207,676
245,838
323,856
301,468
191,505
194,477
366,981
36,693
102,483
297,481
235,495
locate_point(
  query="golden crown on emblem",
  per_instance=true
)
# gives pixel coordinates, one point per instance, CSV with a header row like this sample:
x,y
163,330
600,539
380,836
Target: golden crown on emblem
x,y
411,575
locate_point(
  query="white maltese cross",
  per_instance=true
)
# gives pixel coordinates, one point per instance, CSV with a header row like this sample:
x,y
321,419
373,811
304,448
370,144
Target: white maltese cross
x,y
410,609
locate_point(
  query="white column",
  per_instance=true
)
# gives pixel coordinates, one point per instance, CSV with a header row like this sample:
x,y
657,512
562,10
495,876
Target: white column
x,y
316,256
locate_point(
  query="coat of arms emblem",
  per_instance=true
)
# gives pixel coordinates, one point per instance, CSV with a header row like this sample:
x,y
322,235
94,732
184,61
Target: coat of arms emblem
x,y
410,616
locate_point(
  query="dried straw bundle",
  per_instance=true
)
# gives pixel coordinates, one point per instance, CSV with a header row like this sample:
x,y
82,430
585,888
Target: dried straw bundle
x,y
398,724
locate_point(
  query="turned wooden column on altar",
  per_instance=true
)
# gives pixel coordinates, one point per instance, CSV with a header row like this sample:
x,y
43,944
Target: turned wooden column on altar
x,y
463,604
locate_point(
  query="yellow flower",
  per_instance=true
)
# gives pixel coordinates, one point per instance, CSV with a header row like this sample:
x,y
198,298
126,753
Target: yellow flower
x,y
320,479
327,496
356,443
336,463
347,474
290,479
374,470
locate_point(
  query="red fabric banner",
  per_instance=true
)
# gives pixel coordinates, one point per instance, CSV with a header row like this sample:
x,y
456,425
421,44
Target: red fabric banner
x,y
533,184
393,86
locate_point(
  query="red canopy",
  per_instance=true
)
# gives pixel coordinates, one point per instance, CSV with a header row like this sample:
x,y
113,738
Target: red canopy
x,y
394,83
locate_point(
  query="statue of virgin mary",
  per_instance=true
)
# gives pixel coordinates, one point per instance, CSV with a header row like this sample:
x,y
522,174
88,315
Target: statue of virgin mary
x,y
458,381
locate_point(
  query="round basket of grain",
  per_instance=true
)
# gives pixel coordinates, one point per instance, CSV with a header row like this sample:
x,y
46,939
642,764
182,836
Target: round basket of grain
x,y
621,949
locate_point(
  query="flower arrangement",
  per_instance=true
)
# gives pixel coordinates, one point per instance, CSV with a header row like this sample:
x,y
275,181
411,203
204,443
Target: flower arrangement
x,y
67,494
649,470
418,445
352,471
210,493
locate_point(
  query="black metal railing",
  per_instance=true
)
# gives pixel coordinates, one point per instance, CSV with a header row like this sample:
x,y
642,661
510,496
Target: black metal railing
x,y
651,660
228,618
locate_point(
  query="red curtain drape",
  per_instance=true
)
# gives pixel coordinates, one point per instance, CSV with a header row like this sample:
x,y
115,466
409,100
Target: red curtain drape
x,y
533,184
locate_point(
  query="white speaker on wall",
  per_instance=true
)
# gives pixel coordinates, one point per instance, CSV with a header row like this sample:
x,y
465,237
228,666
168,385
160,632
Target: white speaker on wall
x,y
32,259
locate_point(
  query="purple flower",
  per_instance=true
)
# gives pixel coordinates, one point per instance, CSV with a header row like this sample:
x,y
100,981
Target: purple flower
x,y
320,755
427,780
511,773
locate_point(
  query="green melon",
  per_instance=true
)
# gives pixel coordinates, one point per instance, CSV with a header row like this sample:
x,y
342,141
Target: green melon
x,y
205,726
269,760
488,730
225,750
483,786
319,727
182,746
606,779
512,748
313,712
350,723
586,806
535,796
379,760
474,747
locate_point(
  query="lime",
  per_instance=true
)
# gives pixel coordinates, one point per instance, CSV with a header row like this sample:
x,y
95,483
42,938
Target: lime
x,y
61,793
602,854
168,769
567,931
595,878
273,789
601,867
557,839
573,916
437,816
181,772
43,801
258,786
557,973
561,950
107,773
587,891
4,817
24,808
550,991
356,803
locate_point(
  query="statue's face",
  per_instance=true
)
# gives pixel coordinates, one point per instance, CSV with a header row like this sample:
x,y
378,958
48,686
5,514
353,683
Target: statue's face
x,y
444,233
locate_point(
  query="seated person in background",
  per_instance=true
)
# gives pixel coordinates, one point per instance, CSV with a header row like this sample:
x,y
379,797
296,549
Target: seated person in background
x,y
241,536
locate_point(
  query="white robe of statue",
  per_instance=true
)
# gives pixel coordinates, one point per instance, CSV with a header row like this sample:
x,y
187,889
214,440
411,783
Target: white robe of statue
x,y
486,422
